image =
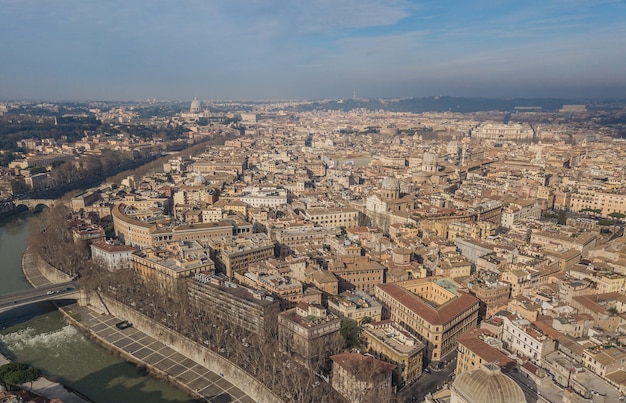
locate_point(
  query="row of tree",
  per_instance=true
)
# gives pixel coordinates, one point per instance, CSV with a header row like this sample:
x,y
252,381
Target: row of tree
x,y
258,354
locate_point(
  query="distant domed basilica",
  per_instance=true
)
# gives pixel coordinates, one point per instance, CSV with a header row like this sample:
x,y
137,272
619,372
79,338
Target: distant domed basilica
x,y
196,107
198,111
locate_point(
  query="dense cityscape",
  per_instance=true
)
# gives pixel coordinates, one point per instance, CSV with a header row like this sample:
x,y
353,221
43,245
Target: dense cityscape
x,y
396,250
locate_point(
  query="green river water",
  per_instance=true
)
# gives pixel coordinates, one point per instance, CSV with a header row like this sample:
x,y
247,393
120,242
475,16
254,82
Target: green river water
x,y
38,335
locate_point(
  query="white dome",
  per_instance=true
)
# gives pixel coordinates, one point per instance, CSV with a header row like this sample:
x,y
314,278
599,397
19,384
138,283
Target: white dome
x,y
487,385
199,180
195,106
391,183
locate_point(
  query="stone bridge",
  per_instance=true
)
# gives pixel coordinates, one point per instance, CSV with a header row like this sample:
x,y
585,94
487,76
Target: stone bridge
x,y
35,204
67,290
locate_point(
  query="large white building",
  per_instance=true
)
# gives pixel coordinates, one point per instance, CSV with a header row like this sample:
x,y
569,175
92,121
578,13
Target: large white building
x,y
264,197
112,256
524,339
504,132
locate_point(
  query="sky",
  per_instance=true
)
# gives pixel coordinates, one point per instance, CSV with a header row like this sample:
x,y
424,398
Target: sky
x,y
310,49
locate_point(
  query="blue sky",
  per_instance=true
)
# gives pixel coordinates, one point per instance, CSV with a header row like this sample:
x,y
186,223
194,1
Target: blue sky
x,y
259,49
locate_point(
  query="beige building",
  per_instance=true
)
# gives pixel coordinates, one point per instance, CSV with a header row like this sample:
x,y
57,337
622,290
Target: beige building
x,y
167,267
493,296
555,241
504,132
454,266
333,217
396,346
235,254
213,166
323,280
142,233
307,331
605,203
355,306
359,378
129,230
470,230
357,273
604,360
477,347
432,309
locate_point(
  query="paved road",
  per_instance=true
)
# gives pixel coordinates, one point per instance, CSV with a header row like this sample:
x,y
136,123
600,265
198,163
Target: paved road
x,y
207,384
31,270
427,383
45,293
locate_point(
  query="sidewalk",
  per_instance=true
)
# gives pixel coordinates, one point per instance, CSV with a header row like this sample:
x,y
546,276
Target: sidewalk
x,y
140,348
31,270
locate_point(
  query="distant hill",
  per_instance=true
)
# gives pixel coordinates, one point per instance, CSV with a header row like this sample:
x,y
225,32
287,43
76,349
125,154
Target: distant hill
x,y
458,104
443,104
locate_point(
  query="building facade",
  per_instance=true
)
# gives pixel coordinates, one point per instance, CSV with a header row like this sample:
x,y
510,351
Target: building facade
x,y
396,346
432,309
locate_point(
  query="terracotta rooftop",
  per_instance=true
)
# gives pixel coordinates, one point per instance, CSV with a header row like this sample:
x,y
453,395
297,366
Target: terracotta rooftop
x,y
436,316
486,352
110,248
547,329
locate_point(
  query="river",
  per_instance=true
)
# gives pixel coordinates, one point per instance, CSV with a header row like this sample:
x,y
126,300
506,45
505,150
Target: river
x,y
38,335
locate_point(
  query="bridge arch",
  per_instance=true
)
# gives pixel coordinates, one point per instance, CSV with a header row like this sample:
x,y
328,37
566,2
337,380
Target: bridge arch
x,y
34,204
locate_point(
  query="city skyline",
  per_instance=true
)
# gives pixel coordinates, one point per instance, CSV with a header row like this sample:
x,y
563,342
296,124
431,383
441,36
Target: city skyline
x,y
311,50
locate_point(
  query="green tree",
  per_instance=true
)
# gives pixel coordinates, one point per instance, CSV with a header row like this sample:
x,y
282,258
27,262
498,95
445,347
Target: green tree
x,y
350,332
561,217
14,374
617,215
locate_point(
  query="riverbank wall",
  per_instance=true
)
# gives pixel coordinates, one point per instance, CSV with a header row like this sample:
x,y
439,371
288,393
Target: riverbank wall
x,y
185,346
34,267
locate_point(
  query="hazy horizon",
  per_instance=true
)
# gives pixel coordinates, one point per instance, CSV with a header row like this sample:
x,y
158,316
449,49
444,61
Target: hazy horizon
x,y
318,49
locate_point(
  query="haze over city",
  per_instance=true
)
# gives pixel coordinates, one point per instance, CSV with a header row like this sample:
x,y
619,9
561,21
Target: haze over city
x,y
310,49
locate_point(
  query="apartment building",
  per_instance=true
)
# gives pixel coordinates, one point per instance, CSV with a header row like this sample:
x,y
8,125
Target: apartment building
x,y
357,273
252,310
582,242
333,217
395,345
307,330
524,339
604,203
432,309
477,347
112,256
356,306
235,254
167,267
603,360
360,378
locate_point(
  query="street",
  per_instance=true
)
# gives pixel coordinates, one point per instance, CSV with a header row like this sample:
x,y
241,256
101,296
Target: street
x,y
427,382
